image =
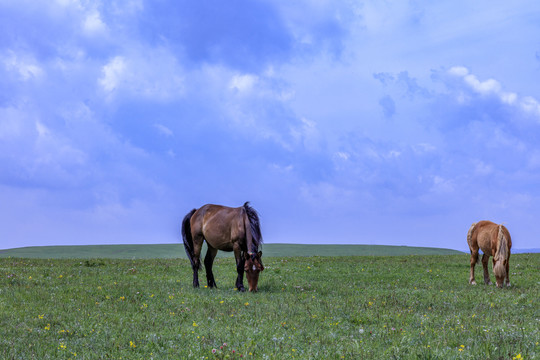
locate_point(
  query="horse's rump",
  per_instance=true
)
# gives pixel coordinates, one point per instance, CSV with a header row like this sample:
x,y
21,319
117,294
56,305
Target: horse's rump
x,y
483,236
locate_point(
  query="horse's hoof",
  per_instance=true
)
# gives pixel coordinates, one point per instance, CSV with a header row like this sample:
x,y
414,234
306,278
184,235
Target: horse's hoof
x,y
472,282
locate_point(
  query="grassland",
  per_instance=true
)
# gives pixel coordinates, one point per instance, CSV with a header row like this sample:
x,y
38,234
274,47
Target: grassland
x,y
368,307
173,251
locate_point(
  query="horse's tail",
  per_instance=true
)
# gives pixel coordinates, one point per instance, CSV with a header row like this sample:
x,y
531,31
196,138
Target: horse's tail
x,y
469,235
186,236
502,252
253,232
469,240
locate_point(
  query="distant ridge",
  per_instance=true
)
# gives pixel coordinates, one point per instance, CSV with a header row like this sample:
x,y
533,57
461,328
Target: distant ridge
x,y
525,251
168,251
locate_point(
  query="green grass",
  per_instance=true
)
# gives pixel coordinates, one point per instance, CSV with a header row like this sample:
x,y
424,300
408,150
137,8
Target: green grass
x,y
172,251
368,307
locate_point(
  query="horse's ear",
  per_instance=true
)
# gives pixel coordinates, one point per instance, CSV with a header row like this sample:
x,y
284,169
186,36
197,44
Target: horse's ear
x,y
259,254
246,255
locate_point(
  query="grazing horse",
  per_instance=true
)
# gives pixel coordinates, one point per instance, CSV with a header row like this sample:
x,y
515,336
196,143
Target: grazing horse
x,y
226,229
494,240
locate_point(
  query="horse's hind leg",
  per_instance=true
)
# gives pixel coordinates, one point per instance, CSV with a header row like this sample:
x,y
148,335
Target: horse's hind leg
x,y
197,245
474,259
208,261
485,262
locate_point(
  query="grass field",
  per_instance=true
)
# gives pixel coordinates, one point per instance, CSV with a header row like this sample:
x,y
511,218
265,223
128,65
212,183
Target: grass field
x,y
173,251
368,307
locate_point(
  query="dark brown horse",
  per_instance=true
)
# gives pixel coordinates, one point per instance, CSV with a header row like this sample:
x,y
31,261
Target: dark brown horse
x,y
226,229
494,240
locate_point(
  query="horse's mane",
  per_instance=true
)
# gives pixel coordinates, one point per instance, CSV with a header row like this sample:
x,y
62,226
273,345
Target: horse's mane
x,y
502,252
255,225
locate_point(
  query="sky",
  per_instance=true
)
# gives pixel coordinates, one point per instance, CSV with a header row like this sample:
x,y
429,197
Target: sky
x,y
342,122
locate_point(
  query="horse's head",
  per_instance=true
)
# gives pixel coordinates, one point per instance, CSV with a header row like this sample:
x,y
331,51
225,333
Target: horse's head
x,y
502,256
499,269
253,266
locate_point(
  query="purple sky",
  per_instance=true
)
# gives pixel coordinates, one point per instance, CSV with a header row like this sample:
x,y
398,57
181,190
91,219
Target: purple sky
x,y
396,123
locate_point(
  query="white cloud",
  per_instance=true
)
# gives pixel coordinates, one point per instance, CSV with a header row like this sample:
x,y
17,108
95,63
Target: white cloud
x,y
112,73
423,148
307,134
508,98
342,155
530,105
42,130
25,66
459,71
55,150
93,24
150,73
127,7
487,87
163,130
323,195
68,2
492,87
243,83
481,168
442,185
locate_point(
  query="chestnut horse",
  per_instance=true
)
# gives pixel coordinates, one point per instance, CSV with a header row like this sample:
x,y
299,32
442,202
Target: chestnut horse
x,y
494,240
226,229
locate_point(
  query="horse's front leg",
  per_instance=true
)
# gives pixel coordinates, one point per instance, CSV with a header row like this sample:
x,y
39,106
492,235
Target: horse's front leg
x,y
485,262
474,259
208,261
508,271
239,268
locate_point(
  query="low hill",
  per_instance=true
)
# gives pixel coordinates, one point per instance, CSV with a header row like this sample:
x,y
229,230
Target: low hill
x,y
165,251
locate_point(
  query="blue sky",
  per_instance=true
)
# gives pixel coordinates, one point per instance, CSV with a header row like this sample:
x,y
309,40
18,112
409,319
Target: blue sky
x,y
353,122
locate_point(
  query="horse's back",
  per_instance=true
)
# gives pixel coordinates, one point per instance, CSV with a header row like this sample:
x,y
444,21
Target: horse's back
x,y
220,225
485,236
